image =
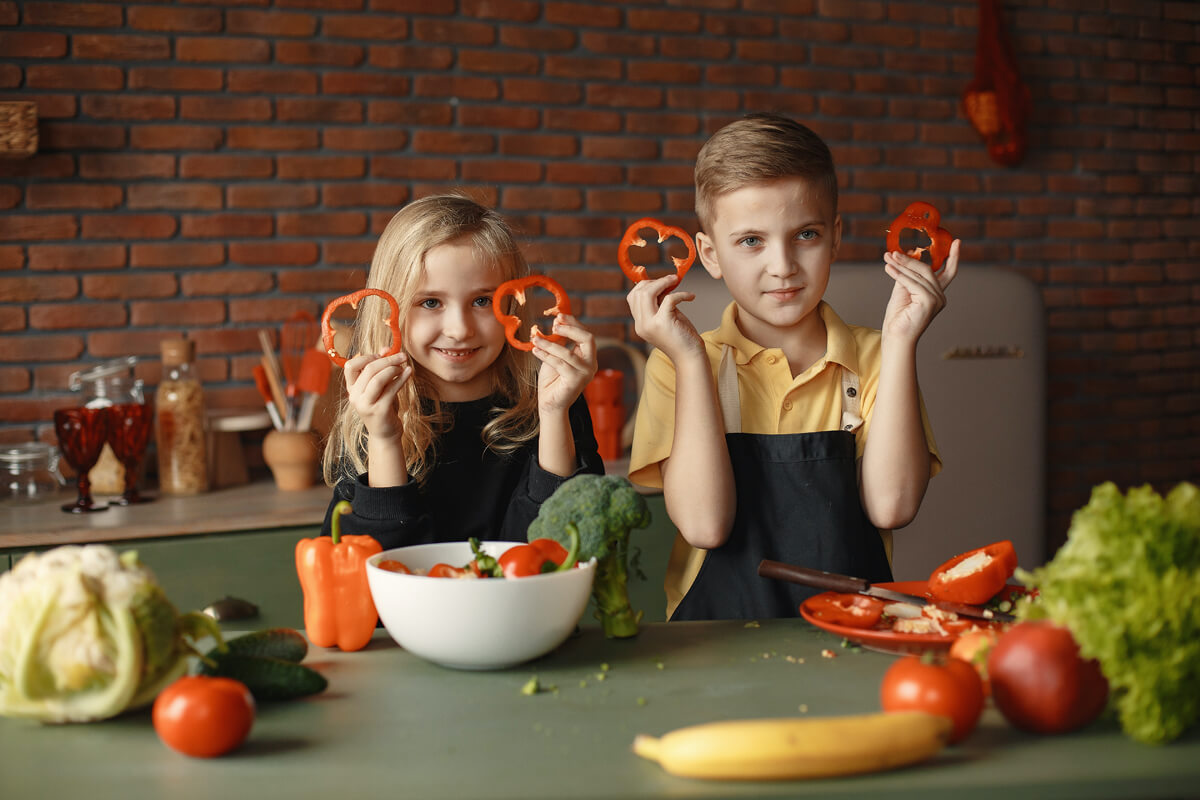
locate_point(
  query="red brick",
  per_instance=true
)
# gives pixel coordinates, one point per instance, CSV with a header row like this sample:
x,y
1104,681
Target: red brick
x,y
540,92
503,171
27,289
22,44
662,21
406,57
178,255
544,145
224,166
318,53
226,282
14,380
345,223
582,120
739,26
73,195
76,257
660,124
554,199
364,83
226,226
538,39
73,14
510,10
587,174
582,68
175,137
182,312
12,318
321,111
226,340
659,72
580,15
225,108
226,49
130,107
185,79
586,227
259,310
270,23
40,227
453,32
273,82
79,136
409,113
623,201
63,76
610,148
364,27
272,253
127,166
111,344
341,195
367,139
433,141
320,167
323,280
271,195
625,44
27,349
129,287
345,251
128,226
10,196
615,95
273,138
174,195
10,76
67,316
120,47
181,20
461,87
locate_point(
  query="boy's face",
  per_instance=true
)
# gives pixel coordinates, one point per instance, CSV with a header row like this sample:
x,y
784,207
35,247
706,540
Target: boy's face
x,y
772,244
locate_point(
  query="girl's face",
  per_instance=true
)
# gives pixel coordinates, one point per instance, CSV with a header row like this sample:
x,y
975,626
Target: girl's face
x,y
449,329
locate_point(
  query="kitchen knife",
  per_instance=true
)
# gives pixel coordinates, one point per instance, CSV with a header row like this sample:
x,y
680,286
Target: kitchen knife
x,y
832,582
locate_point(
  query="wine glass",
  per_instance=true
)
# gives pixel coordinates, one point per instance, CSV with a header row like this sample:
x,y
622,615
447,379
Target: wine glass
x,y
129,427
81,435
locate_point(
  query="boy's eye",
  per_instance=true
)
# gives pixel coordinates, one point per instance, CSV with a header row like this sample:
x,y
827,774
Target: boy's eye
x,y
430,302
807,235
750,241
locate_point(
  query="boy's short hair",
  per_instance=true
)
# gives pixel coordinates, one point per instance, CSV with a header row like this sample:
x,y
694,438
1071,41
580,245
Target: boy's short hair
x,y
757,148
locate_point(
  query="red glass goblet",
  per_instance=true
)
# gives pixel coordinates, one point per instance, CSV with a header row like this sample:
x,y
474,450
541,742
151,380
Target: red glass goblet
x,y
129,427
81,435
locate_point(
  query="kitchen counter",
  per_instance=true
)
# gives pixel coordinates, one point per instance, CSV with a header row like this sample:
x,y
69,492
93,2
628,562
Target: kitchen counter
x,y
392,725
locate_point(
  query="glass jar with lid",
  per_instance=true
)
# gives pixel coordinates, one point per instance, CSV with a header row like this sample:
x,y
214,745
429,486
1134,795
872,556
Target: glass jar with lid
x,y
106,384
29,472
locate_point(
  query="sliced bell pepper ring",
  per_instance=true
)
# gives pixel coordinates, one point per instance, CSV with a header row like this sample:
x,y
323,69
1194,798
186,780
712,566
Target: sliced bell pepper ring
x,y
516,288
632,238
975,576
338,608
393,321
850,610
921,216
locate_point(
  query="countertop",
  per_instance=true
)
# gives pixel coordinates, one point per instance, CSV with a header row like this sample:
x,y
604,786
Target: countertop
x,y
391,725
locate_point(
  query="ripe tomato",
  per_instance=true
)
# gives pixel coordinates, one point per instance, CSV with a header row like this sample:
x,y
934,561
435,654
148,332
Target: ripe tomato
x,y
202,716
950,688
1040,683
973,647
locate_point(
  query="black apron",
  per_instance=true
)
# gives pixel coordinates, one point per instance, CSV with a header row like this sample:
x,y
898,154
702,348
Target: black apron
x,y
797,502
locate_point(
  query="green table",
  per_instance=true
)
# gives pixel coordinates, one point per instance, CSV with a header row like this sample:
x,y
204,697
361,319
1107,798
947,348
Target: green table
x,y
394,726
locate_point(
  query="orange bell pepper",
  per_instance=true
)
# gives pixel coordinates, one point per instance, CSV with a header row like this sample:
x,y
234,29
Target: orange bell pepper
x,y
338,608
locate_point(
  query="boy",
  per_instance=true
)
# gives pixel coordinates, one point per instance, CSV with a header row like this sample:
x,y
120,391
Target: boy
x,y
773,458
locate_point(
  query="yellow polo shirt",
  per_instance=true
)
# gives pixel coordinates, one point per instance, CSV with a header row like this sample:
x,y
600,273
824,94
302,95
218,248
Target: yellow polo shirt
x,y
772,402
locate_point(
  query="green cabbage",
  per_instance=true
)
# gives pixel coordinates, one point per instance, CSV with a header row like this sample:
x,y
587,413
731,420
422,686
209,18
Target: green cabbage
x,y
86,634
1127,586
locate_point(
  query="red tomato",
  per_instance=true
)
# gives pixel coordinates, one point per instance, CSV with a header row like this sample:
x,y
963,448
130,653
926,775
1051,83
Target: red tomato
x,y
973,647
202,716
950,688
391,565
540,555
1040,683
851,610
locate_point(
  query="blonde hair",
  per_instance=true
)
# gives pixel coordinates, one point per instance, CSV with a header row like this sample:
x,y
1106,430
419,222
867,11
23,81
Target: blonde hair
x,y
758,148
398,267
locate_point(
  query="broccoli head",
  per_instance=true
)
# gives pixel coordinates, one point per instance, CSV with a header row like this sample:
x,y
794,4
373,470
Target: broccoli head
x,y
602,510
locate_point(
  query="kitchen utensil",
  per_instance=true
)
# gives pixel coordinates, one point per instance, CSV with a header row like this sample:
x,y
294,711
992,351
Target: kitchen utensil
x,y
81,434
264,389
270,363
832,582
230,608
300,332
315,369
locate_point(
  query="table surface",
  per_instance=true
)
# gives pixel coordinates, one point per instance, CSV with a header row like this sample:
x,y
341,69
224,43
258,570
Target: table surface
x,y
392,725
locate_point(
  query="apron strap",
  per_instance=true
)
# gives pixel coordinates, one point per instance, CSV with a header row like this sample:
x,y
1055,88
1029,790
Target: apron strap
x,y
729,396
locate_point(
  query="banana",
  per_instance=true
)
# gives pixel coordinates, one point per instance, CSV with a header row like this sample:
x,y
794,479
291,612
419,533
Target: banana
x,y
797,747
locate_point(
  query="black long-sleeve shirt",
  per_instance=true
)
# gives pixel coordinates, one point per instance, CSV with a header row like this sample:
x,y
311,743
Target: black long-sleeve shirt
x,y
471,491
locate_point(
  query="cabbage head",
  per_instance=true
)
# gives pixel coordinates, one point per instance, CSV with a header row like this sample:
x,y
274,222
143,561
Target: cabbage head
x,y
86,634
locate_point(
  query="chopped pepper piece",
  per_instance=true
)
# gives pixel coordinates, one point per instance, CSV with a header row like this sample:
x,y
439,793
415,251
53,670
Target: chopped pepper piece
x,y
921,216
851,610
338,608
393,321
975,576
511,322
632,238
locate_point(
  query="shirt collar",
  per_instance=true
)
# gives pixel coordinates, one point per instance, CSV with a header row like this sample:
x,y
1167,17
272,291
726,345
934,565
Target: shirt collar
x,y
840,345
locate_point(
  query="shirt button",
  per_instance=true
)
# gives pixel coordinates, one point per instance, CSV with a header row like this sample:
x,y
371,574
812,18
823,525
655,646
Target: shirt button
x,y
787,405
772,360
851,391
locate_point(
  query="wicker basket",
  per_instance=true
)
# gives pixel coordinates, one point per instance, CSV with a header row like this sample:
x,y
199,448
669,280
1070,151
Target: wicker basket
x,y
18,129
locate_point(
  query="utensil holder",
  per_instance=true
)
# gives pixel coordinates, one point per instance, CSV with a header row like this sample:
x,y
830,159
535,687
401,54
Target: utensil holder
x,y
292,457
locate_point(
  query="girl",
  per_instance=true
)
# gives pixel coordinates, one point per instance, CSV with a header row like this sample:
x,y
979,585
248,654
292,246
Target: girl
x,y
458,435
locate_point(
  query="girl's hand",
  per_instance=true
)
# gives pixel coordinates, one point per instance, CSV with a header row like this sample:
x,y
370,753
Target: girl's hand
x,y
373,384
566,368
919,293
658,319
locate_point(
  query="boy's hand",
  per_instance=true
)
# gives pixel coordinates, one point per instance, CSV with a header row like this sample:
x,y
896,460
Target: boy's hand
x,y
373,383
658,319
919,293
566,368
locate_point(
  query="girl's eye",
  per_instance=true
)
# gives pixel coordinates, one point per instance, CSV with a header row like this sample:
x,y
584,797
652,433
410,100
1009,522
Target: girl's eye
x,y
807,236
430,302
482,301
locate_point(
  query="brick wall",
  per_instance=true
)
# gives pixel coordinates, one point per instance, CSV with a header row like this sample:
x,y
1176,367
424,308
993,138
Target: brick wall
x,y
209,167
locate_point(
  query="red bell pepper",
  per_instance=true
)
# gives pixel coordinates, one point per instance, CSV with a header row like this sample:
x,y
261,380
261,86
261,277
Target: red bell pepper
x,y
338,607
632,238
921,216
850,610
516,288
975,576
393,321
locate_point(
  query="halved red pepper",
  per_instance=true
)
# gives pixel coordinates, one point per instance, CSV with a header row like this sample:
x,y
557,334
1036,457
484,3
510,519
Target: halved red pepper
x,y
921,216
632,238
850,610
446,571
978,581
393,321
511,322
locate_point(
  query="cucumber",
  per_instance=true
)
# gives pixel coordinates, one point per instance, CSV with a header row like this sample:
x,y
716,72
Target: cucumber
x,y
266,678
282,643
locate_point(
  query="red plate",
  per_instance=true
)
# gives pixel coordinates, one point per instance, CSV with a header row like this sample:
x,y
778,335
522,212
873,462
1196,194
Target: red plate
x,y
889,641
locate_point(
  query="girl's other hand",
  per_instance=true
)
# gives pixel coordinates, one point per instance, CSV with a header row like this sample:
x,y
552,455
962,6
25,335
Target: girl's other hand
x,y
566,368
919,293
373,383
658,320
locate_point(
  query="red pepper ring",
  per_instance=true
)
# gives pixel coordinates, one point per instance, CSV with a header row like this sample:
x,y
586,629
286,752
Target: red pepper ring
x,y
393,322
516,288
921,216
631,238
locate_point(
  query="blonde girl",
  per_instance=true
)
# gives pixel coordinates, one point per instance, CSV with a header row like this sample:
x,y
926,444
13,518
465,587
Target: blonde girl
x,y
457,435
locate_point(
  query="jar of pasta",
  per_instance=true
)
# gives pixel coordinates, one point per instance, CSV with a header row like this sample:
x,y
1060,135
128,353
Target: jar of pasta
x,y
179,422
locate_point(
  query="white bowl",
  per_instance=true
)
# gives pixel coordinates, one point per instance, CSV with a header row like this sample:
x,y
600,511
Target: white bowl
x,y
487,623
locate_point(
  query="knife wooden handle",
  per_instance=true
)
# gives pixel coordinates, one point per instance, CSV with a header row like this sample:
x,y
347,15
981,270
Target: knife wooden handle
x,y
830,581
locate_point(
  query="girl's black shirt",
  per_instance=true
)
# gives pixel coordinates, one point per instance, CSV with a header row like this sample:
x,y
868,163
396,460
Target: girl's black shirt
x,y
471,490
